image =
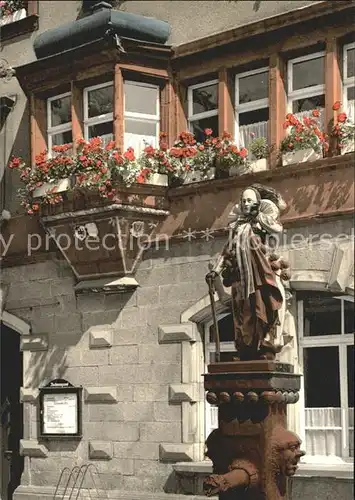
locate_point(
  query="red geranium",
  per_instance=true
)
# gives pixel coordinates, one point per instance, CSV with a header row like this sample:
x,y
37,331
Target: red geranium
x,y
336,105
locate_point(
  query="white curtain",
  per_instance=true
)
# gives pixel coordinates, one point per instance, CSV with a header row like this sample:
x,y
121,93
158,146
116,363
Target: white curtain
x,y
323,431
139,142
302,114
249,132
106,138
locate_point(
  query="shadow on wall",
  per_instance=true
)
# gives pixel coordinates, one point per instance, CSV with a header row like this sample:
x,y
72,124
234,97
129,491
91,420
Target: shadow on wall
x,y
21,147
69,351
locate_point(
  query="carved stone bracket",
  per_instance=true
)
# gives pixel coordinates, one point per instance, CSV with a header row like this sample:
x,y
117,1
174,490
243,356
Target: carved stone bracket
x,y
103,245
6,72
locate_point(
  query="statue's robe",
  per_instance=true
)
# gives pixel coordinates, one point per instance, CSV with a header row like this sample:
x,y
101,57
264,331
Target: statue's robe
x,y
256,297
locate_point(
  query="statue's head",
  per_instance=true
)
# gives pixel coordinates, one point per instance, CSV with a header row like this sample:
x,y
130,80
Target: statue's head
x,y
286,451
250,201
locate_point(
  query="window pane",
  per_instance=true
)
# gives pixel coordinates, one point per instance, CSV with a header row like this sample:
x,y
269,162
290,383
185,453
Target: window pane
x,y
205,99
101,129
322,316
308,73
61,111
140,99
140,127
351,93
254,87
62,138
321,364
351,63
226,329
349,311
100,101
350,354
197,127
257,116
308,103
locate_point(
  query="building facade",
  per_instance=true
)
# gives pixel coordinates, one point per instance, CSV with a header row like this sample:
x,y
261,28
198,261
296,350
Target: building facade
x,y
131,328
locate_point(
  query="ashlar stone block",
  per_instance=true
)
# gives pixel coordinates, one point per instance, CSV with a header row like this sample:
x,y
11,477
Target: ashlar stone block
x,y
34,343
176,453
100,336
176,333
179,393
100,450
28,395
31,448
101,395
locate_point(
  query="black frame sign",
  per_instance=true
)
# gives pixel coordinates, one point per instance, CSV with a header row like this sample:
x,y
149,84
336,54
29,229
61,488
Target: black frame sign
x,y
60,410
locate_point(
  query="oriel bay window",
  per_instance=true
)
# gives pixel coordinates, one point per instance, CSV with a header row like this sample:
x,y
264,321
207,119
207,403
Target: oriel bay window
x,y
326,328
349,80
203,108
59,126
306,84
251,105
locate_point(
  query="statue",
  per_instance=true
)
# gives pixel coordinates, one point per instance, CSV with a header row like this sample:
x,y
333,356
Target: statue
x,y
237,463
249,265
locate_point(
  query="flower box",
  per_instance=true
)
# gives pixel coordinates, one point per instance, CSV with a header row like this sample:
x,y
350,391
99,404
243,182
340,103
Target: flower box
x,y
258,165
158,179
347,148
60,187
239,170
199,176
300,156
15,16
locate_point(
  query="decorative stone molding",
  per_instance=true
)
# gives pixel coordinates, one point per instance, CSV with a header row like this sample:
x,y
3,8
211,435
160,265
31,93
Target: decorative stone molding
x,y
176,333
309,280
32,448
176,452
179,393
100,450
342,267
34,343
100,336
101,395
28,395
15,323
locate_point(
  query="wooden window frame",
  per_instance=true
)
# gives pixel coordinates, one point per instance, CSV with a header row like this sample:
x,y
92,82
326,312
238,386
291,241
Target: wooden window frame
x,y
191,117
249,106
142,116
54,130
105,117
342,341
293,95
348,82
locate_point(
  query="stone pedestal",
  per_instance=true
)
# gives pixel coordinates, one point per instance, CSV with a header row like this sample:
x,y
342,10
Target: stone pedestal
x,y
253,453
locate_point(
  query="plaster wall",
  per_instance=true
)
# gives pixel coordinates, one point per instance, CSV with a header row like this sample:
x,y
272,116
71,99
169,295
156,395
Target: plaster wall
x,y
112,346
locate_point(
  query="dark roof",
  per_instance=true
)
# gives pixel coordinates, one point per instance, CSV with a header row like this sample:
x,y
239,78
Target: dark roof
x,y
101,23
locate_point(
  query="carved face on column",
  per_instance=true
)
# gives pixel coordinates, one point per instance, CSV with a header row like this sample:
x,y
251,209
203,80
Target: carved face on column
x,y
250,202
286,452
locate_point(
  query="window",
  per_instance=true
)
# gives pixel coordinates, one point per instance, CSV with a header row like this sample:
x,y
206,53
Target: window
x,y
349,80
98,112
252,105
59,129
306,86
326,326
141,115
226,332
203,108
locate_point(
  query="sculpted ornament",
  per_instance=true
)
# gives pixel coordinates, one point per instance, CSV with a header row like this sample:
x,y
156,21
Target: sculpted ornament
x,y
250,266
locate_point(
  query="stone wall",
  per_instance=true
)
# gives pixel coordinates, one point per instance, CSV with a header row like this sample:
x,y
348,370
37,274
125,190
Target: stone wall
x,y
139,358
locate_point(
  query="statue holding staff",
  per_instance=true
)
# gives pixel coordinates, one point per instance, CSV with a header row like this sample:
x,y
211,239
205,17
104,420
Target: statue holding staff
x,y
254,272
